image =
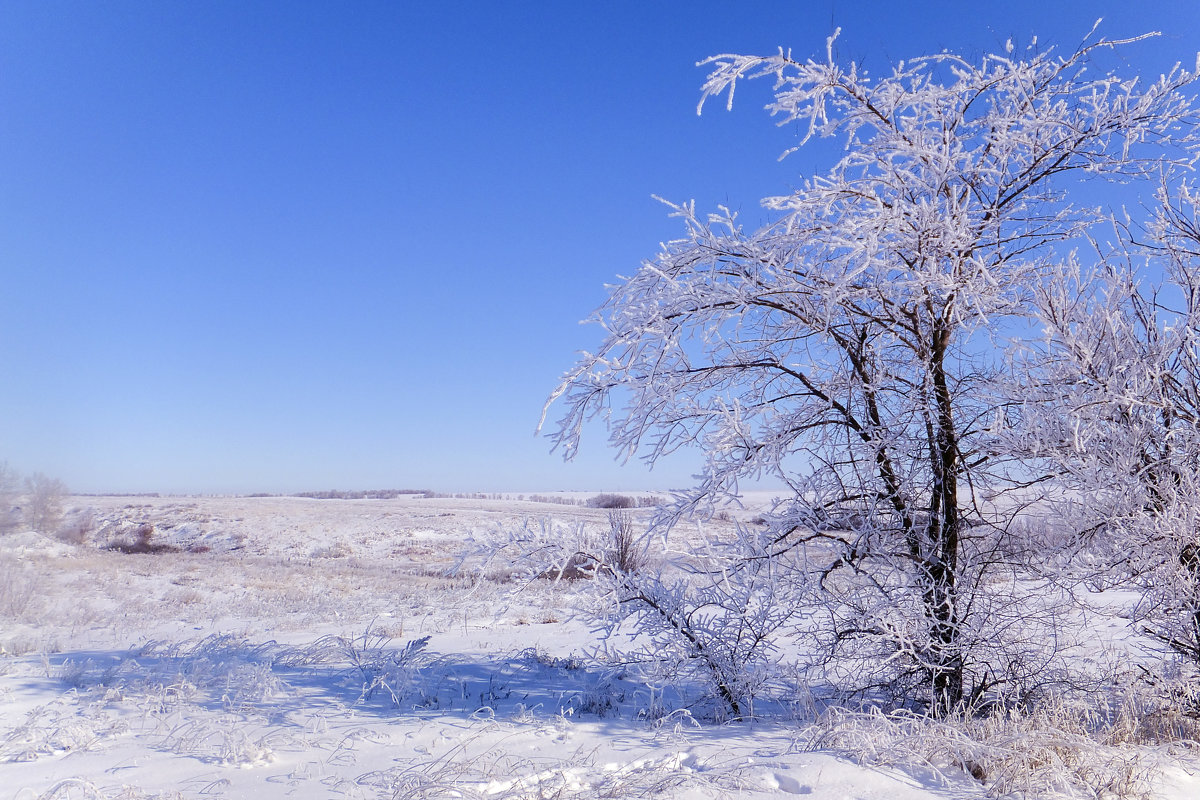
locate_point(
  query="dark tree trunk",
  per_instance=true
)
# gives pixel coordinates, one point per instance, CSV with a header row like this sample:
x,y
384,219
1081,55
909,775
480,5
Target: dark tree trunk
x,y
939,567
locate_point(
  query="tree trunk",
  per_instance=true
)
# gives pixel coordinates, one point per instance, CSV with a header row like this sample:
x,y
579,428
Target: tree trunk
x,y
940,567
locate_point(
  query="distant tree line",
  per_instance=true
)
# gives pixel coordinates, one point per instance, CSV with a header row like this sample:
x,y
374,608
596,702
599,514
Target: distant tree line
x,y
362,494
602,500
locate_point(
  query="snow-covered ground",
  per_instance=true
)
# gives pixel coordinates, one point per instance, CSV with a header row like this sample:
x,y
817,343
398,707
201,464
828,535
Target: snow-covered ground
x,y
288,647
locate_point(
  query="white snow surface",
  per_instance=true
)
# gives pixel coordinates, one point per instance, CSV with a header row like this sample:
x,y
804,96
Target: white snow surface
x,y
290,647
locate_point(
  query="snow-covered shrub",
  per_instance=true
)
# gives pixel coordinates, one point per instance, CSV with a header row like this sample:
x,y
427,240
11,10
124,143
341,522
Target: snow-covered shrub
x,y
21,591
382,668
611,501
626,554
705,620
335,550
1078,749
77,526
139,538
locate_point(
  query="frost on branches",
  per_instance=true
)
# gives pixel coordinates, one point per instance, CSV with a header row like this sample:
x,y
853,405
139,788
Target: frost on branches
x,y
1118,401
850,348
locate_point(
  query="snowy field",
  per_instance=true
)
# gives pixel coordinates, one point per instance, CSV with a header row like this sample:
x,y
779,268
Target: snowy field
x,y
288,647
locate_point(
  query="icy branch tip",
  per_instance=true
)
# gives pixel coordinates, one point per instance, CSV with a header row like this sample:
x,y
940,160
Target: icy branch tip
x,y
829,42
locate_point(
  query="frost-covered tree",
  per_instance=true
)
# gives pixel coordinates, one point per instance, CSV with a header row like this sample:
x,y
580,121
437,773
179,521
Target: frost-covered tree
x,y
845,348
10,486
1117,408
43,502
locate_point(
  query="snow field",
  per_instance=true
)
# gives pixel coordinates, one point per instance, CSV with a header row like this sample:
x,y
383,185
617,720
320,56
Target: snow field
x,y
287,647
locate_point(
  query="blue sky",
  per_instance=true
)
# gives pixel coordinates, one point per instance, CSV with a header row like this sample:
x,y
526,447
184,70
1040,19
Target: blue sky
x,y
251,246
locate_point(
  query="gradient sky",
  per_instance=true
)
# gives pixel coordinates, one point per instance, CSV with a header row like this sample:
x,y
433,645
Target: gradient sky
x,y
250,246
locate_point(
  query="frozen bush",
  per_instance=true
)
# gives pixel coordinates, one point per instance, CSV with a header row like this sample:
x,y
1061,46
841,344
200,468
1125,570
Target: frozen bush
x,y
22,594
76,528
383,668
1070,749
626,555
611,501
704,629
140,539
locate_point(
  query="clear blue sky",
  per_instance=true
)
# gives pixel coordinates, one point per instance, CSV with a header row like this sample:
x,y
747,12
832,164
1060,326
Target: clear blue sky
x,y
250,246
